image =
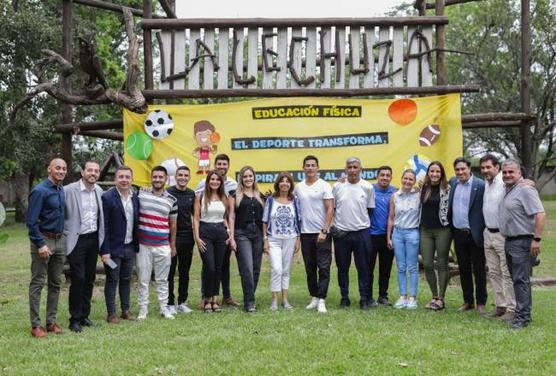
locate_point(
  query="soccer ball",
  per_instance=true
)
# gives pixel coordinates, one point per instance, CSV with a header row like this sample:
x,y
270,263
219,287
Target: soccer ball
x,y
159,124
171,165
418,163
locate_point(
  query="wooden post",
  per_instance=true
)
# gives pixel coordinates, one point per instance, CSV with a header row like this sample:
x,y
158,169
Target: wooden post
x,y
147,47
67,27
525,90
440,44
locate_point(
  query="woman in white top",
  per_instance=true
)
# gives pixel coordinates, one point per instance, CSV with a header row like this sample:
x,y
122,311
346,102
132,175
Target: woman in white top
x,y
403,235
281,229
213,235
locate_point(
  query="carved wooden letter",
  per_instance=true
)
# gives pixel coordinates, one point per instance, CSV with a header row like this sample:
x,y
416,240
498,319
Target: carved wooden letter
x,y
269,67
295,75
237,77
328,55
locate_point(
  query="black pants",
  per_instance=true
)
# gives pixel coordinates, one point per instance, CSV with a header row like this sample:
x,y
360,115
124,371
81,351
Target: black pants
x,y
317,258
358,243
519,261
249,258
471,263
214,235
119,278
83,268
379,247
226,274
182,260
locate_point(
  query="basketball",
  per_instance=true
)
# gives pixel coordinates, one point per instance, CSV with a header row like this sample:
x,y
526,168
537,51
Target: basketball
x,y
139,146
403,111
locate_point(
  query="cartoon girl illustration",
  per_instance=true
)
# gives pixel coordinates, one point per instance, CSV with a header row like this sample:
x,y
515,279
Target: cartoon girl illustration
x,y
206,136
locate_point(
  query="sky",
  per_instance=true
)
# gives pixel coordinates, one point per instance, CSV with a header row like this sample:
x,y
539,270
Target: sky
x,y
287,8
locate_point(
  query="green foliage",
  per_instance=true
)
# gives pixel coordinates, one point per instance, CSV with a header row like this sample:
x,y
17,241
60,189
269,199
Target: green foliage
x,y
491,30
30,141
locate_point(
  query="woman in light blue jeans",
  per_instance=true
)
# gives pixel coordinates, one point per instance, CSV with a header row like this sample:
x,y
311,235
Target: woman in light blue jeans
x,y
403,235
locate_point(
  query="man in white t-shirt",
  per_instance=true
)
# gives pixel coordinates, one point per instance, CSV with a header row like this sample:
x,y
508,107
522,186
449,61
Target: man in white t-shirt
x,y
355,201
317,209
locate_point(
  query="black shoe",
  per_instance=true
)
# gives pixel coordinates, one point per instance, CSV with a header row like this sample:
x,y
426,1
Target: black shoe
x,y
250,308
345,303
373,303
517,325
384,301
88,322
75,327
364,305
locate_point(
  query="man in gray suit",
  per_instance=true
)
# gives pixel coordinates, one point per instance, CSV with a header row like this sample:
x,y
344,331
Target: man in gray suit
x,y
85,232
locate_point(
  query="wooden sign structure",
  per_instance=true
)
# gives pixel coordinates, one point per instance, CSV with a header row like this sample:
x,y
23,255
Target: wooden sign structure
x,y
342,57
294,57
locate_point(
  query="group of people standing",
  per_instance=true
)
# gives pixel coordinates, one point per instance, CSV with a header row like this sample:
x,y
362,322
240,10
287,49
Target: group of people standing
x,y
156,229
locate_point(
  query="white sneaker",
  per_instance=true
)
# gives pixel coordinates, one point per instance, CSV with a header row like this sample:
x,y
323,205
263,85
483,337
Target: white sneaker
x,y
171,309
165,312
314,303
183,308
401,303
287,305
274,306
412,303
143,311
321,308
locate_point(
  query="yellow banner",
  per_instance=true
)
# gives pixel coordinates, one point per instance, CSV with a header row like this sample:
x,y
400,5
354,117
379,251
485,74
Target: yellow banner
x,y
274,135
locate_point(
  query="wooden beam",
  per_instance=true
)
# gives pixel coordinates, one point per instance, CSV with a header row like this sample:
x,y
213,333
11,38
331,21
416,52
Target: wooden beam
x,y
90,126
384,91
207,23
496,116
67,50
116,136
108,6
449,2
148,47
491,124
525,86
441,77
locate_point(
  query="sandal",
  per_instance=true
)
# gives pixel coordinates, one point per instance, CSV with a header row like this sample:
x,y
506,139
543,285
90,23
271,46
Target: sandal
x,y
438,305
207,307
431,304
216,307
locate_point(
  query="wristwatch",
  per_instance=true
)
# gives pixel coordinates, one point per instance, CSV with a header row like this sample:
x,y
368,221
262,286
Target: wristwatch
x,y
537,239
325,231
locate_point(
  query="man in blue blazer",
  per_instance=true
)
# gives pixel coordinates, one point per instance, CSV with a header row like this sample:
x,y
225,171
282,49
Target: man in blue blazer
x,y
465,213
121,218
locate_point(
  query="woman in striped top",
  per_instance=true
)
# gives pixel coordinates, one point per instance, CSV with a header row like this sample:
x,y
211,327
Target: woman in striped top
x,y
212,234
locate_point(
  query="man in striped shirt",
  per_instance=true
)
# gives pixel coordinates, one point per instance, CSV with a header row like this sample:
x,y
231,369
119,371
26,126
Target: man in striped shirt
x,y
158,212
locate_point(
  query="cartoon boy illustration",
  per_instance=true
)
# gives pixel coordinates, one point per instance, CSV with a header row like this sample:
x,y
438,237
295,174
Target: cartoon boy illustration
x,y
207,138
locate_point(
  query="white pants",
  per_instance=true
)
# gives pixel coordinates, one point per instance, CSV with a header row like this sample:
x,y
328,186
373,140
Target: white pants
x,y
281,254
498,271
160,259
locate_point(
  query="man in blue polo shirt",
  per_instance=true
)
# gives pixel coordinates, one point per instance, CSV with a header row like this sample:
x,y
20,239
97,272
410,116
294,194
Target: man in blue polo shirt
x,y
379,222
45,221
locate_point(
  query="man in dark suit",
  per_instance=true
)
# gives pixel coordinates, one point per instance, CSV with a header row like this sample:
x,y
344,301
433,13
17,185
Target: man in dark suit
x,y
465,214
121,217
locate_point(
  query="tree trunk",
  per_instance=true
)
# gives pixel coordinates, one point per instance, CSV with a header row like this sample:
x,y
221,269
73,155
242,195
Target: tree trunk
x,y
21,186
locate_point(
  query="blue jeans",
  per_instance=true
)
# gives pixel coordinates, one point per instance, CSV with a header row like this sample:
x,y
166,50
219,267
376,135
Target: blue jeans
x,y
406,250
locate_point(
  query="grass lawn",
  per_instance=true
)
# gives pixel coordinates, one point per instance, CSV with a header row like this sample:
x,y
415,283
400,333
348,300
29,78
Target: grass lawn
x,y
381,341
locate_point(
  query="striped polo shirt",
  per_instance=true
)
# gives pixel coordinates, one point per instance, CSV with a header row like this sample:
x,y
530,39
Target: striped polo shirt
x,y
155,213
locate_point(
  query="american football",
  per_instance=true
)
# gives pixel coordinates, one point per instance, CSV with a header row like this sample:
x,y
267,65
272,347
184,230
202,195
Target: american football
x,y
429,135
